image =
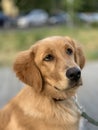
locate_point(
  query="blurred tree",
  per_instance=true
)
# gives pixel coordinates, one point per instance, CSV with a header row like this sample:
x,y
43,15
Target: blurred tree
x,y
24,5
89,6
72,7
27,5
74,4
54,5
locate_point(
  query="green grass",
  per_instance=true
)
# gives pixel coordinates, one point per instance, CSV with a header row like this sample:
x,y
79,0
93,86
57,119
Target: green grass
x,y
11,42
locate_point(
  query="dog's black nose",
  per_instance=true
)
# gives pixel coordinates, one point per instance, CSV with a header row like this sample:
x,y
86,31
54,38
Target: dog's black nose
x,y
73,74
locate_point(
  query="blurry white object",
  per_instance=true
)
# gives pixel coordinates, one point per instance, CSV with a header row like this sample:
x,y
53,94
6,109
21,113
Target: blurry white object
x,y
36,17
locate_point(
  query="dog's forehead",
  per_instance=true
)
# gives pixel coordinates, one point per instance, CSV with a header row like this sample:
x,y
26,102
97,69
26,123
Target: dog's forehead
x,y
55,40
52,43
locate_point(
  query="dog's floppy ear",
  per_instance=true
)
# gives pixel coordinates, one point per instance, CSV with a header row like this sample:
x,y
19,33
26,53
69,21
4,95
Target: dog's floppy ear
x,y
79,55
27,71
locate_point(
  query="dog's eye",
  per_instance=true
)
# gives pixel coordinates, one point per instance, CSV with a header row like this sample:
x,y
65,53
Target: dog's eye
x,y
49,57
69,51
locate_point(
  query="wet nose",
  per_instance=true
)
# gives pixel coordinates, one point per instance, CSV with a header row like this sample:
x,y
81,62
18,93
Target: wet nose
x,y
73,74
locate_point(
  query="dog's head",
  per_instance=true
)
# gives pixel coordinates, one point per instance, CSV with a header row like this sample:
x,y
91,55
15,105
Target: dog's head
x,y
52,67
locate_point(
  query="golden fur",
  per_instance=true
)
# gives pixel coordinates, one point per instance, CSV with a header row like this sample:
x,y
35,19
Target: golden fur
x,y
46,102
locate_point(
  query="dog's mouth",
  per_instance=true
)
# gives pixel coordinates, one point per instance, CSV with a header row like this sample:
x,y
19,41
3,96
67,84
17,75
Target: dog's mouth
x,y
63,92
59,99
58,89
72,85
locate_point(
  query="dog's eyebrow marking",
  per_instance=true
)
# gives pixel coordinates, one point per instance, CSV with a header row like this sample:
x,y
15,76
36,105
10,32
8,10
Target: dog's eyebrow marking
x,y
49,51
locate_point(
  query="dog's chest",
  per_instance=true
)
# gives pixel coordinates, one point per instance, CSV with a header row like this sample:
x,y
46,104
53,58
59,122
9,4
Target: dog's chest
x,y
66,117
55,126
63,116
61,122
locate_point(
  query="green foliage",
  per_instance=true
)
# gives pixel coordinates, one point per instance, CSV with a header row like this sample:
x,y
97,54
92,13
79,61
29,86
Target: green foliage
x,y
24,5
17,41
89,6
54,5
94,24
78,4
27,5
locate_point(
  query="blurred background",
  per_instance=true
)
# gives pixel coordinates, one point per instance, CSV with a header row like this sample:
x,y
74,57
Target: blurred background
x,y
22,22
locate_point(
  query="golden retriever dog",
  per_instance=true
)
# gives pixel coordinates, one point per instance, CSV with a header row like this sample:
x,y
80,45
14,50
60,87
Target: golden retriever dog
x,y
51,70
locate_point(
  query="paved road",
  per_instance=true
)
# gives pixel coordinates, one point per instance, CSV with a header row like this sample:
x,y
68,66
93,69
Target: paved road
x,y
88,93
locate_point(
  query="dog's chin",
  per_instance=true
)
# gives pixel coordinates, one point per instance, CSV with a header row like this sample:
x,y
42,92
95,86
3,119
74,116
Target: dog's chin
x,y
67,92
58,94
74,85
70,86
64,94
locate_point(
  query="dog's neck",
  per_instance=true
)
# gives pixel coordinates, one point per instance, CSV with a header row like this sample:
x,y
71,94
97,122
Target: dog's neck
x,y
37,106
32,96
